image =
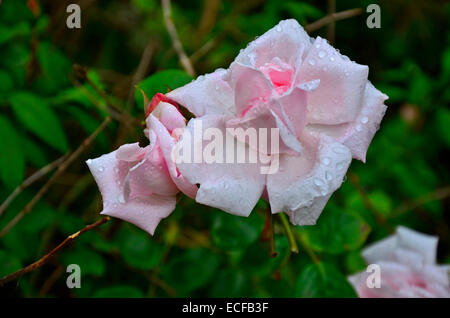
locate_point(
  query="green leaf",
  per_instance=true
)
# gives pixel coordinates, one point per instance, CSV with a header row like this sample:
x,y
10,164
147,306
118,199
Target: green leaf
x,y
121,291
38,117
55,68
443,123
8,263
322,280
139,249
336,232
230,283
191,269
90,263
12,160
160,82
381,202
230,233
258,262
34,152
8,33
6,83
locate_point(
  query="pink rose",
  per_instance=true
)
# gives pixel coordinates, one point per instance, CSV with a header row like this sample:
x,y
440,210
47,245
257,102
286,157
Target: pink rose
x,y
139,185
408,268
325,108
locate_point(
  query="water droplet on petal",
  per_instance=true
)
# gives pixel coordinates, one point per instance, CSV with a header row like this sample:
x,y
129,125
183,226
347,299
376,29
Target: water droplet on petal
x,y
331,59
364,119
101,168
279,29
328,176
326,161
312,62
358,127
340,166
339,150
322,54
318,182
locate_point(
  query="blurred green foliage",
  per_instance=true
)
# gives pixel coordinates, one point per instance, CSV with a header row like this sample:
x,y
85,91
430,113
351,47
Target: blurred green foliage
x,y
198,251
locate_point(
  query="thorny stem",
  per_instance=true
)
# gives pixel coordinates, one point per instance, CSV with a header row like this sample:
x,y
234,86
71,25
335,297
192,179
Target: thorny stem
x,y
61,169
289,234
52,253
268,233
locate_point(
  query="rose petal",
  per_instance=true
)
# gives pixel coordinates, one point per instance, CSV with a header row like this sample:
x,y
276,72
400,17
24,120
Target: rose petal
x,y
338,98
143,212
208,94
232,187
167,144
169,116
287,41
316,173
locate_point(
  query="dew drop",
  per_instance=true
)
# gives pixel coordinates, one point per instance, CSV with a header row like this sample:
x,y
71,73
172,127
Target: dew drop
x,y
328,176
339,150
278,28
322,54
340,166
317,46
358,127
326,161
347,74
101,168
331,59
364,120
121,199
318,182
312,62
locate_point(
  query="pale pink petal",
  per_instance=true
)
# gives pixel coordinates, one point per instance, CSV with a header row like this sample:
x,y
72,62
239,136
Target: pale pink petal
x,y
144,212
306,181
251,87
233,187
167,144
308,215
130,152
382,250
424,245
287,41
361,132
339,96
151,176
208,94
169,116
260,117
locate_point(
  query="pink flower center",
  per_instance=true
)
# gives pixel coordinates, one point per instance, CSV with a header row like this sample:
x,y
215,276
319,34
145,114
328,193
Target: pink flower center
x,y
279,73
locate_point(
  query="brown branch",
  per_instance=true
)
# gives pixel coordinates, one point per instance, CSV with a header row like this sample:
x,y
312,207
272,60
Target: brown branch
x,y
331,18
142,68
176,43
29,181
268,233
56,175
331,28
438,194
52,253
